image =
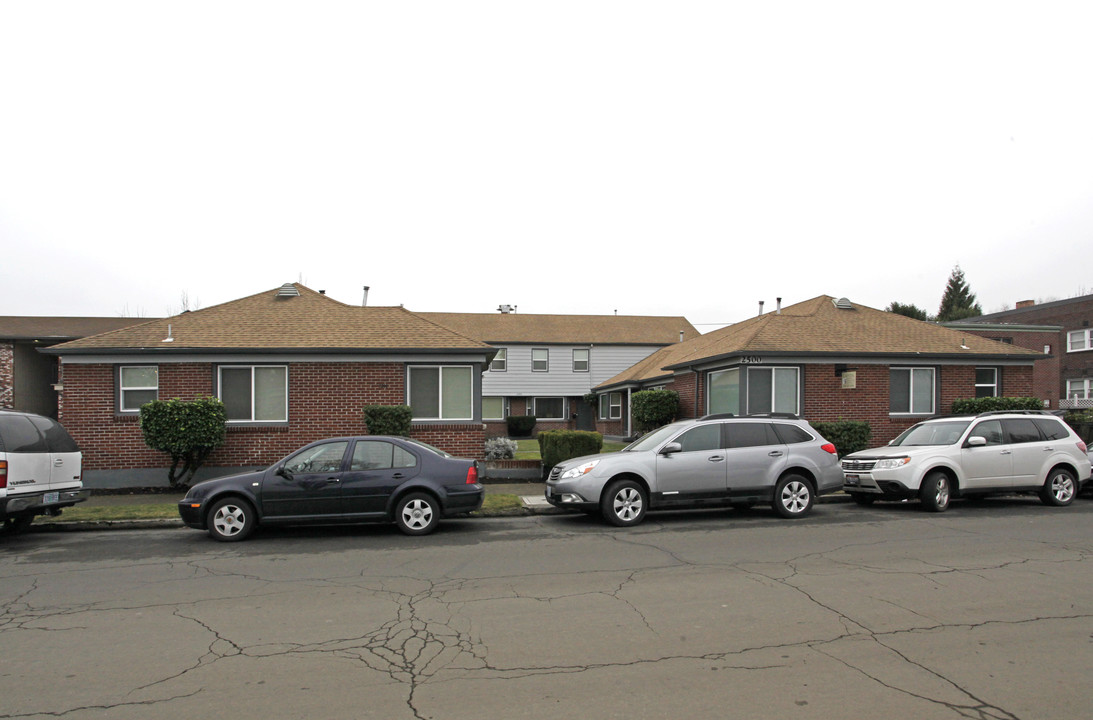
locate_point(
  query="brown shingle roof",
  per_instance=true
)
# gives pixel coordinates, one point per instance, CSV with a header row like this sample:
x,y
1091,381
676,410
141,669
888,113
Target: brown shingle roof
x,y
267,321
818,327
59,328
567,329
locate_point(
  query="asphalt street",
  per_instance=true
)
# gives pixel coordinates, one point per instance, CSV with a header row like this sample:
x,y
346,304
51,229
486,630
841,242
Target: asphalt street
x,y
981,612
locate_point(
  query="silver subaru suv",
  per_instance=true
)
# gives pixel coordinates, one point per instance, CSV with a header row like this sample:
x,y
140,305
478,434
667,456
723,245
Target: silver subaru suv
x,y
990,453
714,460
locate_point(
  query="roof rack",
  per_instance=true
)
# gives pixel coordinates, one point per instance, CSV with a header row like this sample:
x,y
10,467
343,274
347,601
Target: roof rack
x,y
717,416
726,416
1014,412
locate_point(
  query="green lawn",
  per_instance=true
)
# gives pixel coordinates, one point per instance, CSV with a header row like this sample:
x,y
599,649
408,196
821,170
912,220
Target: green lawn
x,y
528,448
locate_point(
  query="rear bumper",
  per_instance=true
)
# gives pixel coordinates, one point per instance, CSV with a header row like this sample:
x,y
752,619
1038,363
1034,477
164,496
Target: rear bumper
x,y
461,499
42,503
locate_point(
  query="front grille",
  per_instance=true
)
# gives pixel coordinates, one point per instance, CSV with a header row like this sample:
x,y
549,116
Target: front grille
x,y
555,472
858,465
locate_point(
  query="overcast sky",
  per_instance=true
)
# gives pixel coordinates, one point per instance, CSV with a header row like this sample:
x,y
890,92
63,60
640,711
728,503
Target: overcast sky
x,y
675,158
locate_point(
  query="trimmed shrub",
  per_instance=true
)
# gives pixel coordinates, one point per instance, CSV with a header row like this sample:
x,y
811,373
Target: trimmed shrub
x,y
974,406
188,431
846,435
558,445
388,419
500,448
1082,423
520,425
653,408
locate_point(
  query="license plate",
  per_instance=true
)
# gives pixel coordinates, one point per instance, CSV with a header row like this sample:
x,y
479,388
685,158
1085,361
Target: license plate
x,y
51,498
852,479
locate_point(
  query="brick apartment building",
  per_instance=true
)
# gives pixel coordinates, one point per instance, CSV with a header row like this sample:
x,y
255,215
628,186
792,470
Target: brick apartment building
x,y
1061,331
291,366
828,359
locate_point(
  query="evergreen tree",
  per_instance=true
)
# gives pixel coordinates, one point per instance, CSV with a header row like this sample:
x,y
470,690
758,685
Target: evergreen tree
x,y
910,310
958,302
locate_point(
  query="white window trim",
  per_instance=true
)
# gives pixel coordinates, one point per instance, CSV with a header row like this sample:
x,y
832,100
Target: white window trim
x,y
993,385
535,409
613,401
501,357
1087,336
1086,385
546,361
587,359
122,388
220,386
911,389
440,391
488,417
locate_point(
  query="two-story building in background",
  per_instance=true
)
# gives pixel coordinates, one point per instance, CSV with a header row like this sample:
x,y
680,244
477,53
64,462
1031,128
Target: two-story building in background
x,y
546,364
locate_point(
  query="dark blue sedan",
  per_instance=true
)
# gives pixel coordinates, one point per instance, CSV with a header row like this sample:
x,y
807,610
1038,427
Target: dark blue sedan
x,y
339,480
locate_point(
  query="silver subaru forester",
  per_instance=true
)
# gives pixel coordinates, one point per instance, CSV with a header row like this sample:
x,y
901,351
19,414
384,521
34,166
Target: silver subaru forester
x,y
714,460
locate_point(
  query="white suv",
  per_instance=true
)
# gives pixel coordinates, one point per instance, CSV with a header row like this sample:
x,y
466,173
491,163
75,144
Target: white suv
x,y
40,469
990,453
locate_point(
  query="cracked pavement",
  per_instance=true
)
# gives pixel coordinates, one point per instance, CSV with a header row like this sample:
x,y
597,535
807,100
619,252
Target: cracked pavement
x,y
983,612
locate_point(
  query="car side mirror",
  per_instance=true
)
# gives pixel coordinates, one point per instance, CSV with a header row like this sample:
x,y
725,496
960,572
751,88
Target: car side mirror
x,y
977,441
283,472
672,447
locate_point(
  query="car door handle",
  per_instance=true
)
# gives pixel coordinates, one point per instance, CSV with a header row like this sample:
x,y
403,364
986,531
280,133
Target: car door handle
x,y
1006,452
331,481
715,458
398,476
58,462
775,453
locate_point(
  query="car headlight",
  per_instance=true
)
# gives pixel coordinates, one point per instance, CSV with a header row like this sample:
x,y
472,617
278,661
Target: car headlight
x,y
582,469
891,463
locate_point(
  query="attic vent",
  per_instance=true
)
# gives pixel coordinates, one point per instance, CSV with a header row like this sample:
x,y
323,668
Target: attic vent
x,y
288,290
843,304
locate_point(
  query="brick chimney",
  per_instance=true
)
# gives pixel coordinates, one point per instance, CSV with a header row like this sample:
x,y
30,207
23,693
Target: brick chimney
x,y
1025,303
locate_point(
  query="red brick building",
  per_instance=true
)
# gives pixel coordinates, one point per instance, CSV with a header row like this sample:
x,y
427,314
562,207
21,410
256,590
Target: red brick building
x,y
1062,331
826,359
291,366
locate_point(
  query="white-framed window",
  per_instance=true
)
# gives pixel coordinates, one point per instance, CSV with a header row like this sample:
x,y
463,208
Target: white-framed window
x,y
441,392
772,389
500,362
986,382
493,408
580,360
540,360
611,406
911,391
254,393
1078,340
723,391
1079,389
548,408
137,384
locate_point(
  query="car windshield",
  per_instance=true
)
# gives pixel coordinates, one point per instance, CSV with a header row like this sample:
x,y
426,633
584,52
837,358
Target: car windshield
x,y
651,440
936,433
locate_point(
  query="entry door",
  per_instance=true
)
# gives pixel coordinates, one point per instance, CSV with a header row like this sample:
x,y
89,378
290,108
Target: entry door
x,y
699,470
376,469
310,483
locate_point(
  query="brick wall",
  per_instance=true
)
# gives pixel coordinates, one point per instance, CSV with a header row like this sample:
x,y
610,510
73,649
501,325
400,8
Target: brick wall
x,y
826,400
325,400
7,376
1047,383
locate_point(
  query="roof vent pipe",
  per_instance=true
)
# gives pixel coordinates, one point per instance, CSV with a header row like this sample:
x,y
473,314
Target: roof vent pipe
x,y
364,301
778,310
170,336
761,307
681,336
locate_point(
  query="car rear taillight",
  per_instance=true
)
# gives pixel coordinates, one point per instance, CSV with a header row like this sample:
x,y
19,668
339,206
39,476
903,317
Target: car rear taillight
x,y
829,447
3,474
1082,446
472,474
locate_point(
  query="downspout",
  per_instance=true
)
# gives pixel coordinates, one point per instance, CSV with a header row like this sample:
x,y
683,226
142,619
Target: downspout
x,y
698,377
629,414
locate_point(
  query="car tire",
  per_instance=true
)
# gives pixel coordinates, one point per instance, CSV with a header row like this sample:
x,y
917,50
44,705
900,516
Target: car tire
x,y
935,492
793,497
624,503
18,524
417,514
231,520
1060,488
863,499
